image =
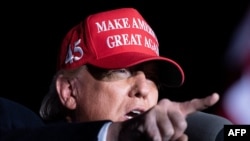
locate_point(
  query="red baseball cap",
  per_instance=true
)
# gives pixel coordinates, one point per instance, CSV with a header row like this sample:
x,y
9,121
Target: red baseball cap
x,y
113,39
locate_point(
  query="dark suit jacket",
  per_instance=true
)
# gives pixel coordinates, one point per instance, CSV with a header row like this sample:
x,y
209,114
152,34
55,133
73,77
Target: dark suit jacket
x,y
18,123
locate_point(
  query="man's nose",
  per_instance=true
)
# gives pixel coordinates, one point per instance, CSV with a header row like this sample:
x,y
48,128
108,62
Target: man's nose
x,y
140,86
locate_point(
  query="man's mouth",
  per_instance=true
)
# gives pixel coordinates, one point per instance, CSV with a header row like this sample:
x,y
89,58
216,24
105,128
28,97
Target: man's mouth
x,y
133,113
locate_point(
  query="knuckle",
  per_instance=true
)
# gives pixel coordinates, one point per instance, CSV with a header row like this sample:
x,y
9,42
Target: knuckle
x,y
169,133
182,125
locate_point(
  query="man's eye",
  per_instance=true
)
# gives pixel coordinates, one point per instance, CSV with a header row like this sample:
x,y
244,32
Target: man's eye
x,y
120,71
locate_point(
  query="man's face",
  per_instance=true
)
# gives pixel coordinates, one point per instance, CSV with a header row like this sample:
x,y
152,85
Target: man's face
x,y
116,95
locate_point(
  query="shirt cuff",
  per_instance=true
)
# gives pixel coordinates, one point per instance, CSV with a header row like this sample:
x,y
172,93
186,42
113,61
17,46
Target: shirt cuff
x,y
102,135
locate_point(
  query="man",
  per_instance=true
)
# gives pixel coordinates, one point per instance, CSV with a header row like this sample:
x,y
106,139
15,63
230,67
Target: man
x,y
108,71
108,80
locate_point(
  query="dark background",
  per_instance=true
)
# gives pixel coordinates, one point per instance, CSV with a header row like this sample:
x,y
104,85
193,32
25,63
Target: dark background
x,y
194,33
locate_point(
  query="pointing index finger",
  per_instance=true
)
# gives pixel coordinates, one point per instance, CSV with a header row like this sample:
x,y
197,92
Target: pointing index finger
x,y
198,104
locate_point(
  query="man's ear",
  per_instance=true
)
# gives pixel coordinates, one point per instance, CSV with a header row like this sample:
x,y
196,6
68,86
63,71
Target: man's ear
x,y
64,90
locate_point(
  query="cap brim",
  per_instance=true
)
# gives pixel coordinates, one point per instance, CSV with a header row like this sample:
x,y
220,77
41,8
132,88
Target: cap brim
x,y
170,72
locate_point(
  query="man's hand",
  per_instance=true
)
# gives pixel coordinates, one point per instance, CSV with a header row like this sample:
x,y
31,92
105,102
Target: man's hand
x,y
165,121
